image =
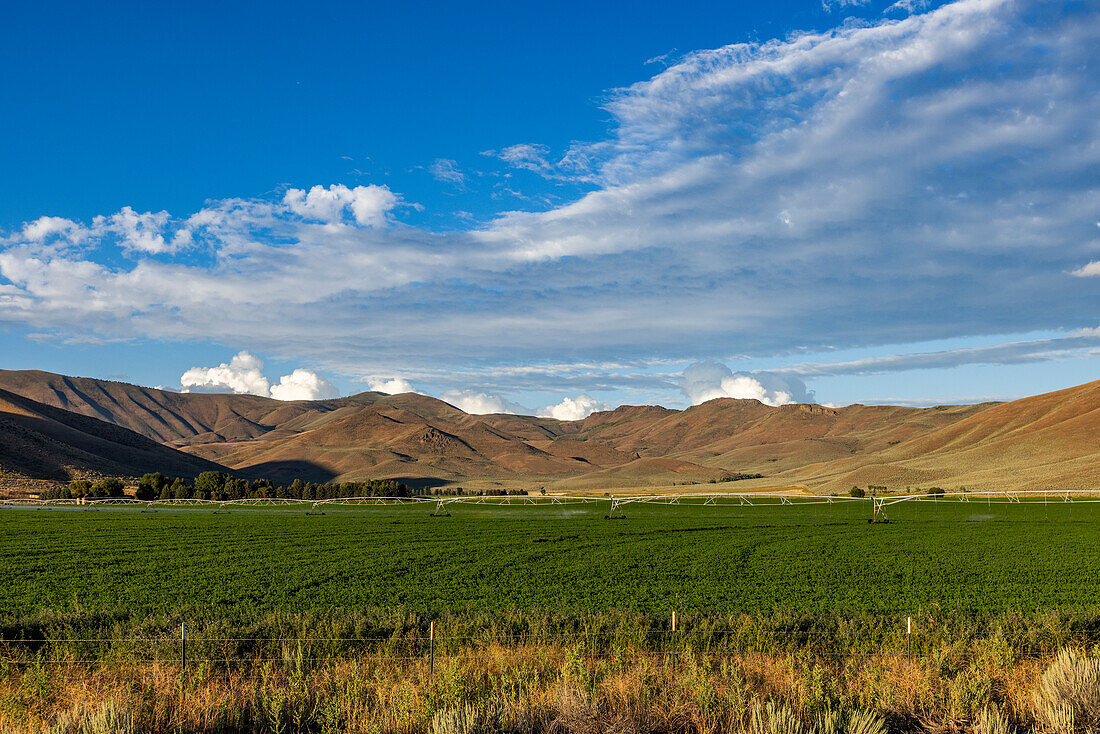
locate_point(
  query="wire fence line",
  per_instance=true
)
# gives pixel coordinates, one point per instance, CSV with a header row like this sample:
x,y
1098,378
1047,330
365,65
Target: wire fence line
x,y
670,644
693,498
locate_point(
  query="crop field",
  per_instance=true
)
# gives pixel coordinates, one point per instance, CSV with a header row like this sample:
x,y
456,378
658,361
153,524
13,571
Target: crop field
x,y
976,557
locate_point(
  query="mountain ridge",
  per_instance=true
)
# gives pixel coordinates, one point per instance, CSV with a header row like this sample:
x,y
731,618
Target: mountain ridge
x,y
423,439
42,442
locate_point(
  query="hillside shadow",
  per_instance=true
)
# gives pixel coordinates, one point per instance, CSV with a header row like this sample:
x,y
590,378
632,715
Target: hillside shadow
x,y
287,471
69,444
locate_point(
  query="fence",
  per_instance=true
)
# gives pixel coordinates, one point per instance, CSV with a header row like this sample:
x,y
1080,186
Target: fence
x,y
667,644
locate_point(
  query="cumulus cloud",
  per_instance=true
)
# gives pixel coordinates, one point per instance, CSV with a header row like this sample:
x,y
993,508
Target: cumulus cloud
x,y
369,205
302,384
705,381
390,385
480,403
43,227
138,232
573,409
244,375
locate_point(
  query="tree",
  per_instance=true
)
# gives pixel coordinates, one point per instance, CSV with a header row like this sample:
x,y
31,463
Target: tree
x,y
79,488
180,490
857,492
209,484
55,493
151,486
109,487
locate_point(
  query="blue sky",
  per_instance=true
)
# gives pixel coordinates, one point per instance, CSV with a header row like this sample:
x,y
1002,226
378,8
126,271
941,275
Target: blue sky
x,y
556,210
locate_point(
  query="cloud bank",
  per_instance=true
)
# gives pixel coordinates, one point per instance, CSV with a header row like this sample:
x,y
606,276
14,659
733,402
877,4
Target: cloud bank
x,y
909,180
244,375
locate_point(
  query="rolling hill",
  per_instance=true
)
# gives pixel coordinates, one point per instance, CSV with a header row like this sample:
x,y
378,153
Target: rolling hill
x,y
1034,442
1049,441
40,442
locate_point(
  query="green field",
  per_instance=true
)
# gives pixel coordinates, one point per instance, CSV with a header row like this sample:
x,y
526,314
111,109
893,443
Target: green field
x,y
975,558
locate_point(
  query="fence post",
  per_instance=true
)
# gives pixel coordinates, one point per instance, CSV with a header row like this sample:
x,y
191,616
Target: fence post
x,y
909,640
183,645
431,650
674,639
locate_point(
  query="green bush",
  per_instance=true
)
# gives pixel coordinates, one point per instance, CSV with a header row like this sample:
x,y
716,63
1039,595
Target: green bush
x,y
109,487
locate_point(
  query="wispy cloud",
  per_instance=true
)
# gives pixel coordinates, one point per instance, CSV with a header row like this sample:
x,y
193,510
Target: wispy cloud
x,y
1080,343
894,182
447,171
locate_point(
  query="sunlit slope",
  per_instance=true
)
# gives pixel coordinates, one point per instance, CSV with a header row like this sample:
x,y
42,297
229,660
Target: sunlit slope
x,y
748,436
1049,441
1038,442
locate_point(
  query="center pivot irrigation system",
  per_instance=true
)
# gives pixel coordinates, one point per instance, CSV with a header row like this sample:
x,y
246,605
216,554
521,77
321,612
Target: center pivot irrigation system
x,y
877,504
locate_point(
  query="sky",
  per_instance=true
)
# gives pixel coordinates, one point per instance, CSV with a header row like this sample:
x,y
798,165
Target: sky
x,y
559,210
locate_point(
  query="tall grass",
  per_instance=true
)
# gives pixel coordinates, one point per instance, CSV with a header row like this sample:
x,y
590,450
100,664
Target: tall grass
x,y
370,671
557,689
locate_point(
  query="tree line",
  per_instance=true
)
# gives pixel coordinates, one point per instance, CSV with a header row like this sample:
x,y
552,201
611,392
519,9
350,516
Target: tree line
x,y
77,488
219,486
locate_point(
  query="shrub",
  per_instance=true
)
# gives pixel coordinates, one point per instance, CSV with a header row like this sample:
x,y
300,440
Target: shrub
x,y
857,492
993,721
1068,699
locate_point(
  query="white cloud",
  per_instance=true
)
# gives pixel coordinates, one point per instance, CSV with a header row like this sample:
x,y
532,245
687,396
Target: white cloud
x,y
907,6
390,385
573,409
705,381
1075,344
141,233
369,205
527,156
446,170
302,384
479,403
43,227
831,5
1088,271
243,375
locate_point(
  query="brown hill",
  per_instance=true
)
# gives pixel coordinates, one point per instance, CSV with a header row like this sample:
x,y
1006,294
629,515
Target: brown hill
x,y
42,442
1048,439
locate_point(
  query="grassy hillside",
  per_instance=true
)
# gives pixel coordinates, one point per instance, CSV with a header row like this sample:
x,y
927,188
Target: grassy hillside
x,y
1047,441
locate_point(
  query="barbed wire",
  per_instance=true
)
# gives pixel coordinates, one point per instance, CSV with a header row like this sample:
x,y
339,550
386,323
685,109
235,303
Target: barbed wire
x,y
690,632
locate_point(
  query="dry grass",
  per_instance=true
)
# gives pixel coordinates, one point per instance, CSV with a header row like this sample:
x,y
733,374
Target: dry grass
x,y
543,689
